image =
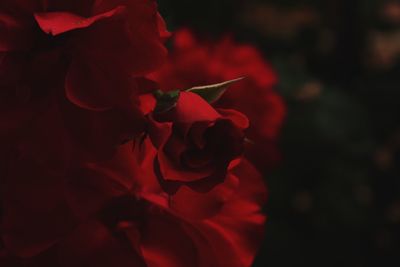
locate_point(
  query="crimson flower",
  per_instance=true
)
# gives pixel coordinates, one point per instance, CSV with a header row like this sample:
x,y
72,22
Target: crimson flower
x,y
197,62
195,143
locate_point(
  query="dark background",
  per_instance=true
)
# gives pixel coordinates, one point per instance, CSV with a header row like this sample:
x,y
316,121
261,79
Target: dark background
x,y
335,198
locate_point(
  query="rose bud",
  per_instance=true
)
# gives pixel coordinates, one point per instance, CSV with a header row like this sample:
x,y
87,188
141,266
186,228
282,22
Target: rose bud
x,y
196,144
197,60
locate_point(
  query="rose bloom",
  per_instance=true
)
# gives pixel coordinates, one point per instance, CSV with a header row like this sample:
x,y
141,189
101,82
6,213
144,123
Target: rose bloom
x,y
116,214
195,144
194,62
83,61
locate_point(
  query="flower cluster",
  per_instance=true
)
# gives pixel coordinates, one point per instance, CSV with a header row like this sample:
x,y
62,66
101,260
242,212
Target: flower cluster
x,y
101,168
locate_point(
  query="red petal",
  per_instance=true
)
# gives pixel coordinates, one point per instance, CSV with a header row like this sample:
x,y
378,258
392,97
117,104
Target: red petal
x,y
159,132
16,33
162,28
172,171
239,119
99,134
137,39
92,244
89,86
36,214
236,232
165,243
147,103
193,205
88,191
192,108
52,149
55,23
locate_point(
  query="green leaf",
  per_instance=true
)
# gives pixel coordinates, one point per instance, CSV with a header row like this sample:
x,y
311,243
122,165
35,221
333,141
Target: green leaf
x,y
211,93
166,101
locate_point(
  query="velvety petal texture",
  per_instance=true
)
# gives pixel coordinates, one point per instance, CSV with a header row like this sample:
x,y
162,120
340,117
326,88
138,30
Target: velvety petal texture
x,y
55,23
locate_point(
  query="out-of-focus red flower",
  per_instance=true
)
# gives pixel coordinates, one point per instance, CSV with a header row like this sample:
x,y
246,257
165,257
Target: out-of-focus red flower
x,y
194,62
106,215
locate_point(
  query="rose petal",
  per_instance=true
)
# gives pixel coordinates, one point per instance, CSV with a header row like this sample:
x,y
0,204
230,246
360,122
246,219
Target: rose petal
x,y
235,233
136,38
193,205
55,23
239,119
162,28
92,244
90,86
171,171
165,243
16,33
88,191
192,108
35,211
99,134
159,132
147,103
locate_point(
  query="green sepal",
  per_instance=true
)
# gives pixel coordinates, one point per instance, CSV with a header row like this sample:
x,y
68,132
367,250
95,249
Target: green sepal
x,y
165,100
211,93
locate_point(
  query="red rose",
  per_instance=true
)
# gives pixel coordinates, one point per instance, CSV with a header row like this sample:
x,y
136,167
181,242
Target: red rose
x,y
73,192
197,62
195,143
101,216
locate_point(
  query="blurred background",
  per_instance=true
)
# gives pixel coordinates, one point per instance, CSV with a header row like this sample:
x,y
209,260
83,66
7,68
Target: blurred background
x,y
335,196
